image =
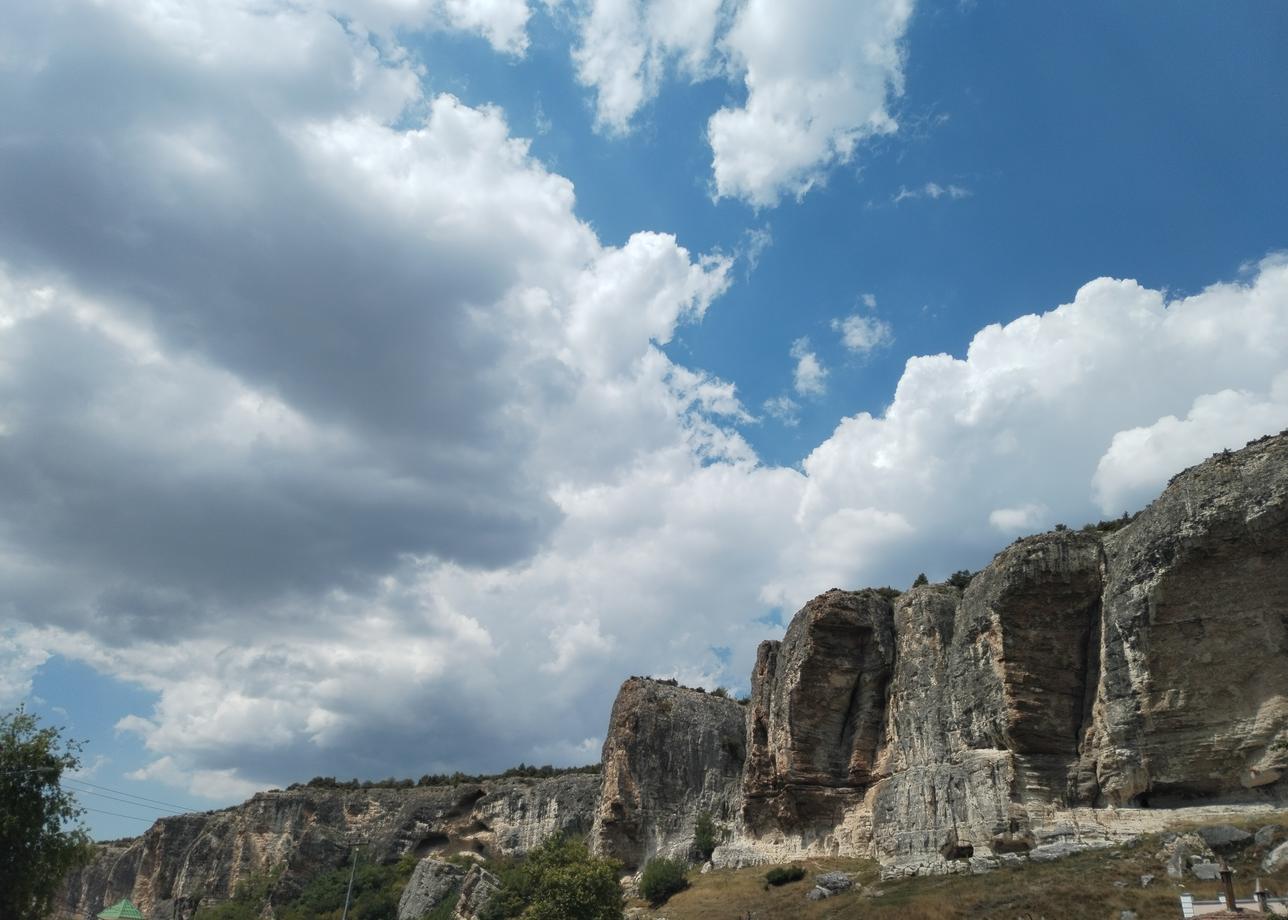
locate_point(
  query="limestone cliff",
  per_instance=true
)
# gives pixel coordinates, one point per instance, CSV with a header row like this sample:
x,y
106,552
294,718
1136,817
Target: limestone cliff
x,y
1083,684
671,753
1081,678
184,861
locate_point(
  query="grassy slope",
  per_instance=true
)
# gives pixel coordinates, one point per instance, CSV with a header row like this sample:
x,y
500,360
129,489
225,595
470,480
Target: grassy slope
x,y
1075,888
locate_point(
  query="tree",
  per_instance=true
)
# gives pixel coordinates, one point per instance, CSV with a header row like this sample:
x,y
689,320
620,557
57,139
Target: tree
x,y
559,880
704,836
961,578
41,839
920,580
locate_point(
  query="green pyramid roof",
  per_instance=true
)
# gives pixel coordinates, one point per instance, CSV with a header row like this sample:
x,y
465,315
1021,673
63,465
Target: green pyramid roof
x,y
123,910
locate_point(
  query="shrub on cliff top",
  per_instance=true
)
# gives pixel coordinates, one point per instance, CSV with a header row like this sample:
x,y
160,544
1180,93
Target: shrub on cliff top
x,y
661,879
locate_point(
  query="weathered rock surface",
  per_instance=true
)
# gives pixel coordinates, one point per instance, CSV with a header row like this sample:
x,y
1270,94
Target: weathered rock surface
x,y
1192,701
1276,859
670,754
817,712
181,861
477,888
1144,668
432,883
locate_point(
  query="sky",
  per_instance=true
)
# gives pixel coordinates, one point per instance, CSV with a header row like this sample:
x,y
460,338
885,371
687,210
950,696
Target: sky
x,y
384,381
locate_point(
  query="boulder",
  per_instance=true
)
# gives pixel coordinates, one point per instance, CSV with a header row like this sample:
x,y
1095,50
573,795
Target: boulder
x,y
1276,859
834,881
1206,871
1225,838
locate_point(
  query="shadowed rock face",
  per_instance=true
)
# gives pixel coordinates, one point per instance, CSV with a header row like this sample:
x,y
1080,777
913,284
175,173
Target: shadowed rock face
x,y
818,709
1028,651
670,754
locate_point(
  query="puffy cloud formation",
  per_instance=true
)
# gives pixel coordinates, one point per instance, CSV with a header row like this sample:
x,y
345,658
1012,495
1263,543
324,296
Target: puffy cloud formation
x,y
862,334
810,376
326,419
626,47
818,77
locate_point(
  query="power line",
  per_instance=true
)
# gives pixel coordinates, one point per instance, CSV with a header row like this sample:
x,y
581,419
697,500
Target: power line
x,y
104,795
84,782
116,814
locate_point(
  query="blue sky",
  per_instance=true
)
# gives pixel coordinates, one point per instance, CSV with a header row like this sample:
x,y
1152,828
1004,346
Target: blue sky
x,y
381,384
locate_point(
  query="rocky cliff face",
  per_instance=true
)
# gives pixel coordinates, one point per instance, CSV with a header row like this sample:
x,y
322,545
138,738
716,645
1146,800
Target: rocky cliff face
x,y
670,754
1080,687
184,861
1080,678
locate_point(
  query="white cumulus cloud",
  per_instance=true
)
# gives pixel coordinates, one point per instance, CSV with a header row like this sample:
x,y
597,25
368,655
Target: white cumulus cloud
x,y
327,420
818,76
862,334
810,376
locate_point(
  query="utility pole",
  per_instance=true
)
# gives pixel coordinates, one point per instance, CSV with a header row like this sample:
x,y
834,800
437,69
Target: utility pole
x,y
349,890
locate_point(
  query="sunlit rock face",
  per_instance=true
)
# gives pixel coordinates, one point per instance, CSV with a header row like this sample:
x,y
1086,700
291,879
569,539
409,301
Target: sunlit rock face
x,y
1193,699
670,754
183,861
1143,668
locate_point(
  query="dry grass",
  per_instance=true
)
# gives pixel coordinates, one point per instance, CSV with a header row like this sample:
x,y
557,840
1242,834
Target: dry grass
x,y
1089,886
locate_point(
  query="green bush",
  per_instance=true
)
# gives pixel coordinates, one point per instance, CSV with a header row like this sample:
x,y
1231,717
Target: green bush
x,y
376,891
781,875
920,580
961,578
661,879
247,902
704,836
559,880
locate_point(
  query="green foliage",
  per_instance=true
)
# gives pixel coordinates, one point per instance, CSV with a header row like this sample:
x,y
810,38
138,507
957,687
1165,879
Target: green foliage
x,y
522,771
1111,525
920,580
41,839
661,879
704,836
376,890
247,903
888,592
781,875
722,692
559,880
961,578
